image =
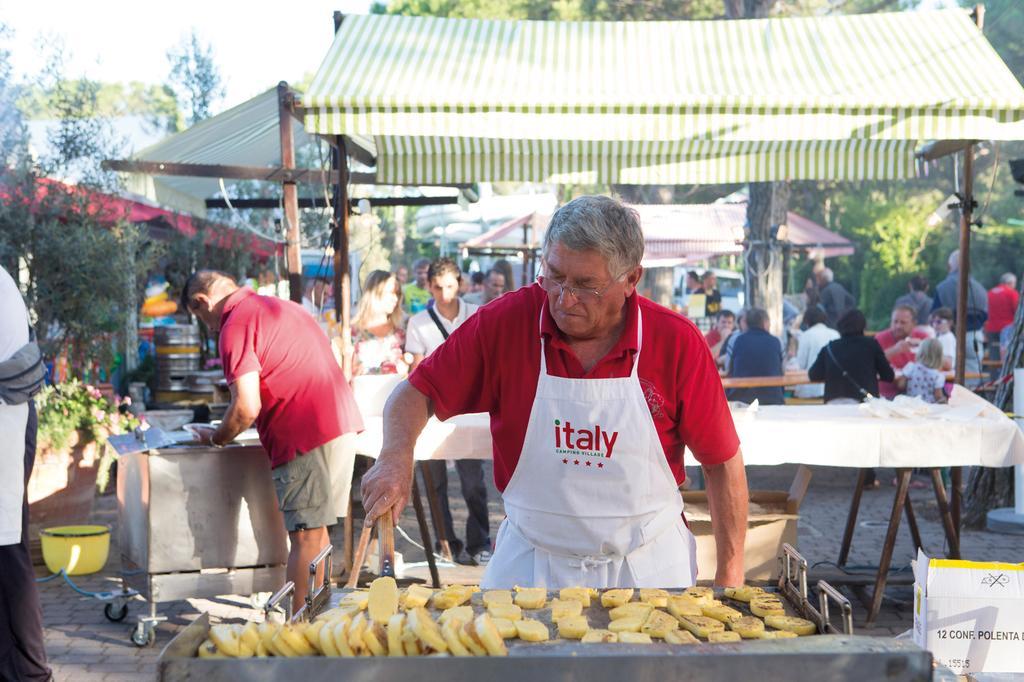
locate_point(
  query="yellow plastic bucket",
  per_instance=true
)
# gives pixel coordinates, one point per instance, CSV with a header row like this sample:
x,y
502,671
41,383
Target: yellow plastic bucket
x,y
79,550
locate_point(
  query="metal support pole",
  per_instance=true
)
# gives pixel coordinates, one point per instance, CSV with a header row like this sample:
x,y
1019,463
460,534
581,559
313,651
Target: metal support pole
x,y
290,196
966,218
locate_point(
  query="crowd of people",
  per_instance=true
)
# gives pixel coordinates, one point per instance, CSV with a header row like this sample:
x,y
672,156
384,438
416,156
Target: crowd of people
x,y
913,356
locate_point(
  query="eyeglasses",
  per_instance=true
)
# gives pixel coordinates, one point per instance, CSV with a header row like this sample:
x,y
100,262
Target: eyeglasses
x,y
581,294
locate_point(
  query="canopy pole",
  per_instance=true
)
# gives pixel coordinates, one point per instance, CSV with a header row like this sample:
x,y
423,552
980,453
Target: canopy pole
x,y
342,277
290,195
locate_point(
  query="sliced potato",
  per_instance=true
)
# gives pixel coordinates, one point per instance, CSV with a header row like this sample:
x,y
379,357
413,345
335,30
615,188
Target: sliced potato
x,y
416,595
375,637
531,597
396,626
497,597
463,613
777,634
561,609
506,611
382,602
654,597
722,613
530,630
506,627
743,593
453,595
630,624
748,627
659,623
633,609
634,638
617,597
581,594
724,636
357,599
573,627
680,637
489,636
799,626
680,605
701,626
470,640
426,629
450,632
767,607
599,637
702,594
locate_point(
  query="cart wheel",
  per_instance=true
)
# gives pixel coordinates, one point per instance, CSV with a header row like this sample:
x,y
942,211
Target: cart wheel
x,y
143,636
115,612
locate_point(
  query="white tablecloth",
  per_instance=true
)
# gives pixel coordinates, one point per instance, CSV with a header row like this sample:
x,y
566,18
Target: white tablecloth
x,y
827,435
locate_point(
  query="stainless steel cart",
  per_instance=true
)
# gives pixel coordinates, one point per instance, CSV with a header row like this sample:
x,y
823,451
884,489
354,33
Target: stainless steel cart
x,y
196,522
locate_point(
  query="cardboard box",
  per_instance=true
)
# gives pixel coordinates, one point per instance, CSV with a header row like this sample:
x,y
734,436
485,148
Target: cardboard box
x,y
970,614
772,520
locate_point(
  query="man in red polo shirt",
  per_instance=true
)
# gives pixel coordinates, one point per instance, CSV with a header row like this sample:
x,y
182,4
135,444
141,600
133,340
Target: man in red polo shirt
x,y
593,392
900,342
283,376
1002,307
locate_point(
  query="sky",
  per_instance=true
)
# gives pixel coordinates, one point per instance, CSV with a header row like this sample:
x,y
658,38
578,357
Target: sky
x,y
255,43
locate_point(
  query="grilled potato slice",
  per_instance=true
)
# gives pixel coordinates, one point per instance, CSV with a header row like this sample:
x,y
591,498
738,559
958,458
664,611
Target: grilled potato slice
x,y
561,609
748,627
226,640
655,597
355,599
634,638
375,637
724,636
355,633
396,626
633,609
799,626
339,632
506,628
701,594
530,630
463,613
531,597
744,593
497,597
680,605
311,632
410,642
453,595
767,607
450,632
599,637
506,611
777,634
426,629
723,613
382,602
701,626
581,594
416,595
489,636
617,597
209,650
573,627
470,640
630,624
659,623
680,637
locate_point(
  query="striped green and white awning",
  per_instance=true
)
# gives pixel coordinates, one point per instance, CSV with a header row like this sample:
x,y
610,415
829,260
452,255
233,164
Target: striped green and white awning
x,y
452,100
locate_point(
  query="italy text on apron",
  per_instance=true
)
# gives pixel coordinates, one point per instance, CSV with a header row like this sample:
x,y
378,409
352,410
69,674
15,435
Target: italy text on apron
x,y
592,501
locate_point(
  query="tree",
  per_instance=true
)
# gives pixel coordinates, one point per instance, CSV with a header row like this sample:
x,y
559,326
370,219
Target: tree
x,y
195,77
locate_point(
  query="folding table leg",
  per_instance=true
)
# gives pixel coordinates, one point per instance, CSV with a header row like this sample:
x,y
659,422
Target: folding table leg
x,y
948,523
915,534
435,511
851,518
903,476
956,480
421,519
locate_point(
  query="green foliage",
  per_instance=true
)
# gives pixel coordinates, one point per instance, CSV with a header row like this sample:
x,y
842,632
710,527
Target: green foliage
x,y
565,10
195,77
157,103
74,406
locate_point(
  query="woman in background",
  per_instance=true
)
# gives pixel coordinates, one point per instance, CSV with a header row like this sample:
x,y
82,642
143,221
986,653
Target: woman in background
x,y
378,328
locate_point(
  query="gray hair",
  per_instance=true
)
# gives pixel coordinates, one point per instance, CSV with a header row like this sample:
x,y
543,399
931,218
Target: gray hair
x,y
1008,278
827,274
954,260
602,224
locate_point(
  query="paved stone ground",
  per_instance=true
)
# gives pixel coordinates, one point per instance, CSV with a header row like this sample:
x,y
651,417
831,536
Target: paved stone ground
x,y
83,646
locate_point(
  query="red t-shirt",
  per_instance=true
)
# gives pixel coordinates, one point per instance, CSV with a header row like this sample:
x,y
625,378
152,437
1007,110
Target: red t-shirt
x,y
713,337
886,339
305,400
491,363
1002,306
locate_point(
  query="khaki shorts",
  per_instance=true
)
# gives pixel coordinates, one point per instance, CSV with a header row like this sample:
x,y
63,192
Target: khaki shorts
x,y
313,489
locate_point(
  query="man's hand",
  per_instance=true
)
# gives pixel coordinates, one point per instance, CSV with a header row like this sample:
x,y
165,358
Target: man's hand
x,y
386,487
203,434
388,483
728,502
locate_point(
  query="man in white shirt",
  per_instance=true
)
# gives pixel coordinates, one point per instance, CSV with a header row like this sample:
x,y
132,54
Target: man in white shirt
x,y
22,656
426,331
494,286
815,337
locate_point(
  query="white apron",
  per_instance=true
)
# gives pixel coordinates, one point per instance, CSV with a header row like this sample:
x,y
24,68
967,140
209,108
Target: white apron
x,y
592,501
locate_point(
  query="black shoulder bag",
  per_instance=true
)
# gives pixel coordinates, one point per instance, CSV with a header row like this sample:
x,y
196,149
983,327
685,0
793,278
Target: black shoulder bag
x,y
437,321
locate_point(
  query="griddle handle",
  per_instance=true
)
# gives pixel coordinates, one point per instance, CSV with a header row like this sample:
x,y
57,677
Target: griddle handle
x,y
386,544
826,592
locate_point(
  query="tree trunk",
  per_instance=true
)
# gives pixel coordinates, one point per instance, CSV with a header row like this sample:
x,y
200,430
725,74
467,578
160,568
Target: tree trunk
x,y
990,488
659,282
